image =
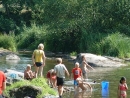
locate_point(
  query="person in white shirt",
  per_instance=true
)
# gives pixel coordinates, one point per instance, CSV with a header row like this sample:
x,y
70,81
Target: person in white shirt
x,y
60,71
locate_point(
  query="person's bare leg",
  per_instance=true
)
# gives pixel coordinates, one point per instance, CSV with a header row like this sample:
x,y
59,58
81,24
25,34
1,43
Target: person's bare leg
x,y
41,71
36,71
60,90
54,83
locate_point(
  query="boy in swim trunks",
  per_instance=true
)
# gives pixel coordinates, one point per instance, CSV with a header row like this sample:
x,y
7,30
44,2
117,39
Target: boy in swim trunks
x,y
76,73
60,71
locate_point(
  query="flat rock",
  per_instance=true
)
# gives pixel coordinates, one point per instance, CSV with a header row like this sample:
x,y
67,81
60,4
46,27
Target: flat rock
x,y
100,61
12,57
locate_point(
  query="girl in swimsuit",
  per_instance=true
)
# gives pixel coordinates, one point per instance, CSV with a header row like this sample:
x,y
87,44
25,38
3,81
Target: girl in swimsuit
x,y
122,87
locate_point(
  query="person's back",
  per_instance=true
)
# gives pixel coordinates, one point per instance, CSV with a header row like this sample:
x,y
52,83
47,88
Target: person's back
x,y
38,55
38,59
2,83
60,71
83,85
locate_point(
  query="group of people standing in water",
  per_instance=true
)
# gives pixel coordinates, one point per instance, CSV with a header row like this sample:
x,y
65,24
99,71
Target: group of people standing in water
x,y
56,75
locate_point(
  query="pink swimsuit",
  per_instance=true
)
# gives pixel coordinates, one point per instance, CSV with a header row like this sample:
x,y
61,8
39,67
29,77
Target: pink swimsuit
x,y
123,90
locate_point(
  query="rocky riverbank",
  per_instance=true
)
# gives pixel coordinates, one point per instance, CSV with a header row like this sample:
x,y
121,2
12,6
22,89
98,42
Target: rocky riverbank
x,y
4,52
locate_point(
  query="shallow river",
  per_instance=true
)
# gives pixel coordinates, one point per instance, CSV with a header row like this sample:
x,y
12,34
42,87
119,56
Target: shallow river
x,y
112,75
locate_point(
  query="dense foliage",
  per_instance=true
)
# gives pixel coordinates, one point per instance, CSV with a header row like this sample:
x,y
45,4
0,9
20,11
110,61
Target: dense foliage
x,y
8,42
65,25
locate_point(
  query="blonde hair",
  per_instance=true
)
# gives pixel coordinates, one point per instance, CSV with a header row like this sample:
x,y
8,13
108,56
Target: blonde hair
x,y
28,66
76,64
59,60
40,46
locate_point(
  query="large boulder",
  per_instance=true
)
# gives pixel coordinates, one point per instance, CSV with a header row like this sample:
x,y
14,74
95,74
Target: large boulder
x,y
100,61
13,76
12,57
27,91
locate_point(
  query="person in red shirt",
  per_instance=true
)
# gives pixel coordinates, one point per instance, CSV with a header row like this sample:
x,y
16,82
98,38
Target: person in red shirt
x,y
76,73
2,83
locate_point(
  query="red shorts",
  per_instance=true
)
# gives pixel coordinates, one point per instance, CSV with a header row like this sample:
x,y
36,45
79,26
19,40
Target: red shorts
x,y
49,76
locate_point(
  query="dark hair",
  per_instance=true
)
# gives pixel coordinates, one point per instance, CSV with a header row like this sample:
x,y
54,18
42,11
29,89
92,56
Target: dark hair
x,y
122,79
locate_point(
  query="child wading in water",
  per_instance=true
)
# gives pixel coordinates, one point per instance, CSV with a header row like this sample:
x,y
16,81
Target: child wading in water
x,y
83,85
84,67
51,76
76,73
122,88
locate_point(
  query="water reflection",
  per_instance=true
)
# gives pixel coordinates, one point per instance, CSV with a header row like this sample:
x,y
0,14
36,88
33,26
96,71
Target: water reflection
x,y
82,94
105,93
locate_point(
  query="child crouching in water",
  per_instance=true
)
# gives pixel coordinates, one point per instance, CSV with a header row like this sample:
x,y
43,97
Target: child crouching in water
x,y
51,76
122,88
28,74
83,85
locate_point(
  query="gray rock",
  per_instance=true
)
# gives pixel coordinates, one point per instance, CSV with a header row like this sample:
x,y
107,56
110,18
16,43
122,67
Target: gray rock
x,y
13,76
12,57
100,61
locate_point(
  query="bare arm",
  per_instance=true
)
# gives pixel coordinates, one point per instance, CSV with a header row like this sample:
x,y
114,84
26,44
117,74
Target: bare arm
x,y
33,60
67,72
126,86
4,85
88,65
43,57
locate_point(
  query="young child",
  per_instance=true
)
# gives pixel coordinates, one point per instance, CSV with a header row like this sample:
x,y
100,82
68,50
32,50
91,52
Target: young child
x,y
122,87
76,73
83,85
28,74
84,67
51,76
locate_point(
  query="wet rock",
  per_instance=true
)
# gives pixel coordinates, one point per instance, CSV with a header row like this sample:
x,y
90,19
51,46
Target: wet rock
x,y
12,57
100,61
13,76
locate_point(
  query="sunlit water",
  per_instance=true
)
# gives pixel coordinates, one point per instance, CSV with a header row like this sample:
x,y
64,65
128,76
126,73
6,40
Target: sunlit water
x,y
112,75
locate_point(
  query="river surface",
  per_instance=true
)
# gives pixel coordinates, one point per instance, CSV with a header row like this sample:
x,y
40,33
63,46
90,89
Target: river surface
x,y
112,75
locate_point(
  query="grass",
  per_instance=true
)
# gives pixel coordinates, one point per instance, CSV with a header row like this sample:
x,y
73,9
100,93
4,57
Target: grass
x,y
39,82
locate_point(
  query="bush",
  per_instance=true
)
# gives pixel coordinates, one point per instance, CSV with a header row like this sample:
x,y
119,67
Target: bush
x,y
8,42
31,37
115,44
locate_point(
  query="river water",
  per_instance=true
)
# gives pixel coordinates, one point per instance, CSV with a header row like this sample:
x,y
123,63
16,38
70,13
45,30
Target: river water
x,y
112,75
